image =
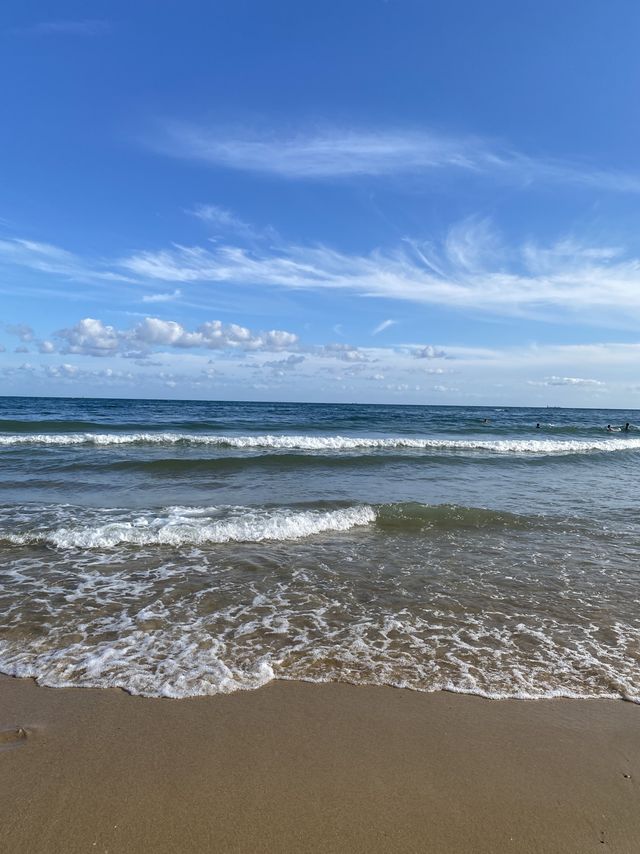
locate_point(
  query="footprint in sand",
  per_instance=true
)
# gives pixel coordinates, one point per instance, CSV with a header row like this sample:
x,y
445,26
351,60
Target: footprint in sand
x,y
13,737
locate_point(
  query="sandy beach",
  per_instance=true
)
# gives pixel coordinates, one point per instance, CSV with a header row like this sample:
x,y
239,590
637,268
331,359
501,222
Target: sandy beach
x,y
303,767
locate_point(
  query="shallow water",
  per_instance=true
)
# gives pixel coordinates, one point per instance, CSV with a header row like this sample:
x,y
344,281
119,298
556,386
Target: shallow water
x,y
176,548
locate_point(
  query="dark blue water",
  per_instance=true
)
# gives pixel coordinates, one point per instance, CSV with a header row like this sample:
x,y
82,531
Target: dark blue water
x,y
180,548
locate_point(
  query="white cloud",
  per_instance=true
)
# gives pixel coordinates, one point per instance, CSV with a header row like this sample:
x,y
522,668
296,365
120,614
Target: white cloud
x,y
92,337
344,153
22,330
527,375
64,370
429,352
73,373
167,297
469,271
46,258
344,352
225,222
571,381
46,347
152,330
382,326
280,365
333,154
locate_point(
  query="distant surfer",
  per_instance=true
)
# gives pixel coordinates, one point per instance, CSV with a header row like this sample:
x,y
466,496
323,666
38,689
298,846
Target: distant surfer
x,y
485,420
626,427
538,426
609,428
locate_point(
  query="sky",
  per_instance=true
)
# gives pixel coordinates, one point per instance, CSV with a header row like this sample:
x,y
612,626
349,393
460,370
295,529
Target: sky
x,y
384,201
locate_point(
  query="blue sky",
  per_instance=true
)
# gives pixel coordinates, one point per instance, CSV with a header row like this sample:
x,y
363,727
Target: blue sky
x,y
364,201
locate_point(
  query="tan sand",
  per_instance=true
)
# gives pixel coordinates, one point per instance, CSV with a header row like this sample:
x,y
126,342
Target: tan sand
x,y
299,767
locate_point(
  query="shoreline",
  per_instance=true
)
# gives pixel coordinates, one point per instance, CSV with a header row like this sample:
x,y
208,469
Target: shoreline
x,y
297,766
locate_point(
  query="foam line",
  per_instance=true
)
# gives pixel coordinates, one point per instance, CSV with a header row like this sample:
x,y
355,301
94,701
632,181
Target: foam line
x,y
328,443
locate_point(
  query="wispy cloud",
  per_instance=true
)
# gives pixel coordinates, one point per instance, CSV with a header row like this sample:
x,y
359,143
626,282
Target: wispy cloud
x,y
167,297
69,372
382,326
339,153
570,381
471,269
225,222
46,258
85,27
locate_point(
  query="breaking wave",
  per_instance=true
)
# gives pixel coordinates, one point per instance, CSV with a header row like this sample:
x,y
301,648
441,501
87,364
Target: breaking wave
x,y
77,528
327,443
180,526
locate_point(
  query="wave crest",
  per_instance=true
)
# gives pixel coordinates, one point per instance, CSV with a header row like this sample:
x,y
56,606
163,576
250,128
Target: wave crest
x,y
74,528
328,443
189,526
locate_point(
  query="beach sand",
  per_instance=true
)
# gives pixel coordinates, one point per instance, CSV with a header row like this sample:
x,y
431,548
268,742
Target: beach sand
x,y
302,767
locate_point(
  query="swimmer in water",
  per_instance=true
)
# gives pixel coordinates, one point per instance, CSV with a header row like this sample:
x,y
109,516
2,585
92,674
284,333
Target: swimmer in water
x,y
609,428
626,427
538,426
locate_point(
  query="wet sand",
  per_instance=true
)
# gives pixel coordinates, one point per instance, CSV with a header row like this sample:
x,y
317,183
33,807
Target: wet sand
x,y
297,767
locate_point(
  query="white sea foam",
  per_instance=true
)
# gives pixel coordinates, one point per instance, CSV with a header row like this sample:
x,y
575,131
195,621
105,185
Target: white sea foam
x,y
328,443
168,651
180,526
208,625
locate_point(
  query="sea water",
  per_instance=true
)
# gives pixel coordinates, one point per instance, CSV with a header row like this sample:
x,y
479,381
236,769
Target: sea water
x,y
184,548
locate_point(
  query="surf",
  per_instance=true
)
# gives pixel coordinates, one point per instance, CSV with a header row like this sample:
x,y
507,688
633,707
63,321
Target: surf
x,y
333,444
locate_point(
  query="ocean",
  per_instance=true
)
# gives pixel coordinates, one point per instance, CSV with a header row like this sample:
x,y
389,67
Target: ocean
x,y
178,548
